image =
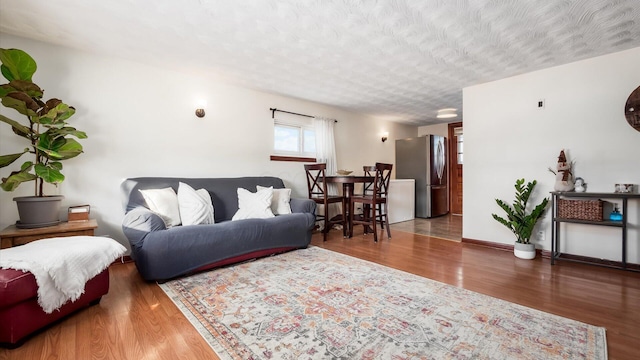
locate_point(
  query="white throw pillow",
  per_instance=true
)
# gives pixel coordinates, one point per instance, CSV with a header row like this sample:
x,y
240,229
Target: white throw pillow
x,y
195,205
280,203
163,202
254,205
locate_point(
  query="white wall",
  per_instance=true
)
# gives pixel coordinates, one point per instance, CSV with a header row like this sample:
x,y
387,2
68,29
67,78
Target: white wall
x,y
507,137
437,129
140,122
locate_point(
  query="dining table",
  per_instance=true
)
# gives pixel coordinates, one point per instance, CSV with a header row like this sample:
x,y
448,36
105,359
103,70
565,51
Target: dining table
x,y
348,184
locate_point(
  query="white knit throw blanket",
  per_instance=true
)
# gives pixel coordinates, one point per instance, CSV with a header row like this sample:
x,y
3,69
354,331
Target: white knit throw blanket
x,y
62,265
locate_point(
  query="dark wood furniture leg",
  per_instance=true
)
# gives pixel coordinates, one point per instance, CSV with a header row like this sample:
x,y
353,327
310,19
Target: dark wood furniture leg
x,y
347,189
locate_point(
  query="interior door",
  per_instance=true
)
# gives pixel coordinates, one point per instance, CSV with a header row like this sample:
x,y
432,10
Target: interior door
x,y
456,160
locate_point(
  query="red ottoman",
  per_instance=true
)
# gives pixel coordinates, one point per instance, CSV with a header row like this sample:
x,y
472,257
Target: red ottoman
x,y
20,314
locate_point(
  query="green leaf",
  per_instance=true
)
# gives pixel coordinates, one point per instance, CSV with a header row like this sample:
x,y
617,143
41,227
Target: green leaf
x,y
16,178
68,130
6,72
26,166
49,174
56,165
60,148
55,112
5,89
6,160
18,128
49,142
79,134
27,87
17,64
70,149
21,102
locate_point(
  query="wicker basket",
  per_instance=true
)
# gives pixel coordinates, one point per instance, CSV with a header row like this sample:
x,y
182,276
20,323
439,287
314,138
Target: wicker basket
x,y
591,210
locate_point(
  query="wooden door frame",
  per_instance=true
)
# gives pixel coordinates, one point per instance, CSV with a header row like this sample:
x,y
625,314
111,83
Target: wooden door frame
x,y
453,160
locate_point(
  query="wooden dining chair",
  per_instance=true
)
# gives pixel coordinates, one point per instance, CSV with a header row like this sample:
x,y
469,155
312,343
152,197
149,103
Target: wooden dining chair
x,y
367,188
318,193
377,202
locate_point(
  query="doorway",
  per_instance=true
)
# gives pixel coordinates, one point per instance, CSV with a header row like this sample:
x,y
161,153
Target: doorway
x,y
456,159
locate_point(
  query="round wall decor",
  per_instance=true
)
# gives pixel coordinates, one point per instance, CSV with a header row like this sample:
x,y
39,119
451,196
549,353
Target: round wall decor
x,y
632,109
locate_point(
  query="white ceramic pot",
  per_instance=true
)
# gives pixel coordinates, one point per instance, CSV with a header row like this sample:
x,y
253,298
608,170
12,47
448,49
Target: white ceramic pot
x,y
524,251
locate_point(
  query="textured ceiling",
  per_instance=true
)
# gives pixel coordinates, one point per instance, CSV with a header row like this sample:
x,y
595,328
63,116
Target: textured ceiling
x,y
400,60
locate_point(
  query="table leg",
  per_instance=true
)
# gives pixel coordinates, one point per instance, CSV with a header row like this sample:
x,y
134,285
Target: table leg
x,y
347,189
624,233
555,228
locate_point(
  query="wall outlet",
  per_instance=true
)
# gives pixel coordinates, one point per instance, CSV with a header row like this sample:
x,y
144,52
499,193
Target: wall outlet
x,y
541,235
541,104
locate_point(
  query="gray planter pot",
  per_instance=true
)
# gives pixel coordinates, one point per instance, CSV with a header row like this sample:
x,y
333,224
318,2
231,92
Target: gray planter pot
x,y
36,211
524,251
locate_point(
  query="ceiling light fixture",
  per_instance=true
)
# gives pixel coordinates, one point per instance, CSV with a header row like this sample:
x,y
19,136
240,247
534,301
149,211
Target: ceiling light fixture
x,y
447,113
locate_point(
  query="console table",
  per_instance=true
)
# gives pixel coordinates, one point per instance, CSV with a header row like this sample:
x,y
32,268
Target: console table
x,y
12,236
556,221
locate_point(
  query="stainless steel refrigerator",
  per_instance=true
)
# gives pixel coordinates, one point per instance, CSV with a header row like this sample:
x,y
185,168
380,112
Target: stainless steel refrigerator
x,y
424,159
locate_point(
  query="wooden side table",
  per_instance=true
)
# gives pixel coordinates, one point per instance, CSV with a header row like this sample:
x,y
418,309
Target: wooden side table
x,y
12,236
556,220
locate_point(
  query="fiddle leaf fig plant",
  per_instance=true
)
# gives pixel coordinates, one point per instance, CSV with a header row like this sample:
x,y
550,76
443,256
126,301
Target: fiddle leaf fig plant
x,y
49,138
518,221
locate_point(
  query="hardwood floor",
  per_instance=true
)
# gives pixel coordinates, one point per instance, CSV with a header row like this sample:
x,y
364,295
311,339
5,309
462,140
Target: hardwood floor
x,y
448,227
136,320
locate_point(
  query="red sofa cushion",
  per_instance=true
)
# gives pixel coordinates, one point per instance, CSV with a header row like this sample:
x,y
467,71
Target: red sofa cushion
x,y
16,286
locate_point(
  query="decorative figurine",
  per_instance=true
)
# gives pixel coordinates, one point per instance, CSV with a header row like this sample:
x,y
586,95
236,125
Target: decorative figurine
x,y
564,176
581,186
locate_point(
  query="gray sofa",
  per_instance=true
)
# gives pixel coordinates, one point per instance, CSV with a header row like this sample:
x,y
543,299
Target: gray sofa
x,y
161,254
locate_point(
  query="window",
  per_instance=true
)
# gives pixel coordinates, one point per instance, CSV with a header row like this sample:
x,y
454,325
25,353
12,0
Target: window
x,y
294,139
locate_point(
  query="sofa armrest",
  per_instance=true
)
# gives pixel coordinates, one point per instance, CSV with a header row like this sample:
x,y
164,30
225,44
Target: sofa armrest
x,y
300,205
138,222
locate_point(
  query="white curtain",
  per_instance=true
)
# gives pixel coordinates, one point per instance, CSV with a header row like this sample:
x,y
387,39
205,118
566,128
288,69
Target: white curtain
x,y
325,144
326,153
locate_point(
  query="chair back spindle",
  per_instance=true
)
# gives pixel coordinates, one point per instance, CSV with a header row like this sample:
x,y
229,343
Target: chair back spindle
x,y
367,188
382,180
315,175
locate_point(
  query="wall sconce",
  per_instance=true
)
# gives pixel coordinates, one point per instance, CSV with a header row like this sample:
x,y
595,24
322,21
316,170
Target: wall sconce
x,y
200,108
385,136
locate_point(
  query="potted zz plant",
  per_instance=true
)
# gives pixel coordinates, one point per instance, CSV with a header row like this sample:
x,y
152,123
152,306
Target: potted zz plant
x,y
48,139
519,222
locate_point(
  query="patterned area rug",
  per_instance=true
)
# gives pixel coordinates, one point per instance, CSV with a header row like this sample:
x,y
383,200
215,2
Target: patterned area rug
x,y
318,304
